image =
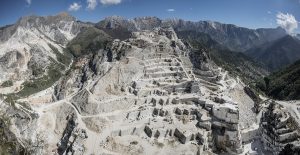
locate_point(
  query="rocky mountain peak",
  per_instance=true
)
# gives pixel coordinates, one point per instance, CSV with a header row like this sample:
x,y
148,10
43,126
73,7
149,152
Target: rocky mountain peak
x,y
35,43
147,23
65,15
115,22
33,20
148,18
114,18
139,23
233,37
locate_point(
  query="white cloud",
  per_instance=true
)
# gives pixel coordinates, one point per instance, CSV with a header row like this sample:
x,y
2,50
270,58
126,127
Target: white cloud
x,y
91,4
171,10
28,2
287,22
74,7
269,12
110,2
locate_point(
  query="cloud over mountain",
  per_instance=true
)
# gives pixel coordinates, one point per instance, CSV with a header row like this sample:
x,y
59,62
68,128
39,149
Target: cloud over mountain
x,y
287,21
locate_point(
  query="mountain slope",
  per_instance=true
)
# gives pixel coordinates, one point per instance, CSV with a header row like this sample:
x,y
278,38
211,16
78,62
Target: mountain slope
x,y
298,36
235,62
284,84
33,48
277,54
114,91
88,40
152,91
233,37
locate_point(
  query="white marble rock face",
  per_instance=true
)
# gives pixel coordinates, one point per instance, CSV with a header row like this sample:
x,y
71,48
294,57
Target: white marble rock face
x,y
157,99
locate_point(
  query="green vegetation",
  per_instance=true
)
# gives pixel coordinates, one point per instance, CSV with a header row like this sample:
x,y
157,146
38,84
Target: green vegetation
x,y
11,98
39,84
7,83
64,58
88,41
236,63
282,85
36,70
277,54
8,143
118,33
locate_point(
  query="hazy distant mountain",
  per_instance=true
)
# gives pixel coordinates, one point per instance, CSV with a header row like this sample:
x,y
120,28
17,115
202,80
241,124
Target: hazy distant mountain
x,y
284,84
141,23
277,54
298,36
234,37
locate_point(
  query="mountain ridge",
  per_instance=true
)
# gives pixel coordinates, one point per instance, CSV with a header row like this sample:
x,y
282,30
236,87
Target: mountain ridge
x,y
277,54
234,37
34,46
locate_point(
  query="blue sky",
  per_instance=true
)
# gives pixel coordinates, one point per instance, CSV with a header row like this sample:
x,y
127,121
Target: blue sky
x,y
246,13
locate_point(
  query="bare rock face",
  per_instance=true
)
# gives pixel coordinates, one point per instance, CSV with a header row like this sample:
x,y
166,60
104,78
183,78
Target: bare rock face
x,y
52,26
157,134
35,46
155,111
63,144
148,131
81,101
9,143
278,123
178,111
181,137
12,59
150,78
149,92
